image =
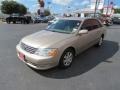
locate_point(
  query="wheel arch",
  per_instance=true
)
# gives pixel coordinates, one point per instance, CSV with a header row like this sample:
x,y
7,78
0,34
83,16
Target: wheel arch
x,y
71,48
102,35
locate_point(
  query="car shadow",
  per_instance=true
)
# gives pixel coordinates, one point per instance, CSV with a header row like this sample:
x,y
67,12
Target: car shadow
x,y
84,62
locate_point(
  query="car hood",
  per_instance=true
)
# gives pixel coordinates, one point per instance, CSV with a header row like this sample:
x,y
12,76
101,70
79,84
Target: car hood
x,y
45,39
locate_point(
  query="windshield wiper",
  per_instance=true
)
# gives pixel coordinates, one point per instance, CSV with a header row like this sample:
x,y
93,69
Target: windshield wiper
x,y
56,31
50,30
62,32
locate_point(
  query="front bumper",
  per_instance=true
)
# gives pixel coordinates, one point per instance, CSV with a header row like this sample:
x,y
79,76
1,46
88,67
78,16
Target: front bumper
x,y
37,62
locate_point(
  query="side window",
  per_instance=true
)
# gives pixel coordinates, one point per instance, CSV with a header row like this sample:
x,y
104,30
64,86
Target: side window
x,y
97,24
87,25
91,24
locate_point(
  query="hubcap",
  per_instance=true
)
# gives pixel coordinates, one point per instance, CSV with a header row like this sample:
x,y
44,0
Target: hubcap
x,y
101,41
68,58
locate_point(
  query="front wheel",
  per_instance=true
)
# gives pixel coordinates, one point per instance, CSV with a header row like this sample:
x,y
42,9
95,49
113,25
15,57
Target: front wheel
x,y
7,21
67,58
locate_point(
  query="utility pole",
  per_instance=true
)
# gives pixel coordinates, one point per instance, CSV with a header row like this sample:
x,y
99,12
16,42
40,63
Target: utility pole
x,y
108,7
95,8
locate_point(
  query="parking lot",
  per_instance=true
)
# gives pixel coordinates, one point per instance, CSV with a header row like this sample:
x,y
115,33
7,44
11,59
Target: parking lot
x,y
94,69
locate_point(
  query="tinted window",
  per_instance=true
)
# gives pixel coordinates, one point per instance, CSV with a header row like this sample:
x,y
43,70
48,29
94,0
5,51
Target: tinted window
x,y
97,24
91,24
87,25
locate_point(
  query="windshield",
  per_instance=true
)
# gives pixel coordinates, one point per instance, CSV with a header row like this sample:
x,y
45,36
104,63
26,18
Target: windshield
x,y
64,26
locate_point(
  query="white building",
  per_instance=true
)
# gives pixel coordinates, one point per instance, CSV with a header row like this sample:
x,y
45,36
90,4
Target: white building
x,y
83,12
91,9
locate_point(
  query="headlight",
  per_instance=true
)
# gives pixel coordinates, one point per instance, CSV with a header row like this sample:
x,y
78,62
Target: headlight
x,y
46,52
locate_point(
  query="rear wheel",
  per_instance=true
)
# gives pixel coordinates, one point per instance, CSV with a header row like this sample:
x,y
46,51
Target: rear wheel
x,y
100,42
109,23
67,58
14,22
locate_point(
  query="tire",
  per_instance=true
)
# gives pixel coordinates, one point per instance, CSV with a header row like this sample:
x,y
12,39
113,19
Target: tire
x,y
8,22
14,22
100,42
67,58
109,23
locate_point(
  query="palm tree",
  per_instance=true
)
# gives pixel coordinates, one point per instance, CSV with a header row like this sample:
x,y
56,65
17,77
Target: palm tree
x,y
41,2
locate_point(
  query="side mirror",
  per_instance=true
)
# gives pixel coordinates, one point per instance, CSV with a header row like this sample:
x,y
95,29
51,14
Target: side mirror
x,y
83,32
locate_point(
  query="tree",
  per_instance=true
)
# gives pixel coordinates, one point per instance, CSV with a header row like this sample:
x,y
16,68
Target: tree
x,y
117,10
47,12
10,7
41,2
22,9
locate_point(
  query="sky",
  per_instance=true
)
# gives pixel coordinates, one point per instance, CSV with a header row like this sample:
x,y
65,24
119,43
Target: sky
x,y
59,6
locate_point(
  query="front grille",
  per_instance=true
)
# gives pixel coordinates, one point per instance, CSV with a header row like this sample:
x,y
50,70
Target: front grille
x,y
27,48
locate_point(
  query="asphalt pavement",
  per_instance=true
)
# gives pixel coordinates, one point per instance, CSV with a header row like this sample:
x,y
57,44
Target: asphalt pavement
x,y
94,69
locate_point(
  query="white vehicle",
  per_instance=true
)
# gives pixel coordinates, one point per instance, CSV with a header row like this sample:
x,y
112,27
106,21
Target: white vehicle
x,y
52,21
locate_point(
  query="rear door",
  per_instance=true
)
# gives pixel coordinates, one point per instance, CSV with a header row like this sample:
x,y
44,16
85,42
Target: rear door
x,y
94,32
96,29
